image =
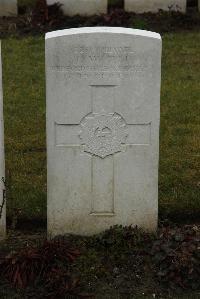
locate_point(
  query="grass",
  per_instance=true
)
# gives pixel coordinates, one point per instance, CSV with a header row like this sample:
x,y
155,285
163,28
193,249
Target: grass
x,y
180,125
24,108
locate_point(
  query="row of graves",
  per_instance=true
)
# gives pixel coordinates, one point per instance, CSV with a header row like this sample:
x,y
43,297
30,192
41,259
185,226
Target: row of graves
x,y
92,7
103,115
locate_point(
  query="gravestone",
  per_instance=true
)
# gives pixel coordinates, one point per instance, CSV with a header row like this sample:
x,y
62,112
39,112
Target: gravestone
x,y
103,98
2,164
82,7
8,8
140,6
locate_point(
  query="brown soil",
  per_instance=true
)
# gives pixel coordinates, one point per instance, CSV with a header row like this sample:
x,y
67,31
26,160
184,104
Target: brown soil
x,y
116,263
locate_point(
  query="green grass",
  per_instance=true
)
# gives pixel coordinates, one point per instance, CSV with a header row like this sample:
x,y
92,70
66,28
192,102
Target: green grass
x,y
24,107
180,125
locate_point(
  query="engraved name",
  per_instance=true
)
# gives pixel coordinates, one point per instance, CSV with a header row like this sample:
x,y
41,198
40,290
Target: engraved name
x,y
101,62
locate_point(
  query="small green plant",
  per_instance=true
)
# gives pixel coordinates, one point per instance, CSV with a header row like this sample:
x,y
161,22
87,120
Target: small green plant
x,y
140,24
26,3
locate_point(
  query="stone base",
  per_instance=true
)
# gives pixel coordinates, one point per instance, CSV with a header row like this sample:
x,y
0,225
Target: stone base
x,y
82,7
8,8
141,6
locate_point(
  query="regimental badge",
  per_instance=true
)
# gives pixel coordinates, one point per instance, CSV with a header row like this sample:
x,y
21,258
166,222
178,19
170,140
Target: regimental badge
x,y
103,134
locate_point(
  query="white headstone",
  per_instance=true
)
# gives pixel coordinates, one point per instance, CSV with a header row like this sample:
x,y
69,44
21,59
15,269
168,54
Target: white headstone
x,y
2,164
82,7
8,7
140,6
103,111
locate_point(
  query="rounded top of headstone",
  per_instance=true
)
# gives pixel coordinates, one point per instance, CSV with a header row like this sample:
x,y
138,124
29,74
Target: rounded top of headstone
x,y
116,30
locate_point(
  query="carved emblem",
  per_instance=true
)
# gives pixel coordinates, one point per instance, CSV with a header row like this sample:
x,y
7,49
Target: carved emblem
x,y
103,134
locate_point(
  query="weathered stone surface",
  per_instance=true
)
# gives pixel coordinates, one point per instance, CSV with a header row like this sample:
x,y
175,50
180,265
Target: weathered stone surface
x,y
2,163
8,7
103,111
82,7
140,6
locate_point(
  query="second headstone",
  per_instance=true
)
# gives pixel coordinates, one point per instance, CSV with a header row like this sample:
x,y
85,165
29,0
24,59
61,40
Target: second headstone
x,y
2,163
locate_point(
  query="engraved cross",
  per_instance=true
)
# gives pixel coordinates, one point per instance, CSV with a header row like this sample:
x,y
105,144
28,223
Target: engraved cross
x,y
102,133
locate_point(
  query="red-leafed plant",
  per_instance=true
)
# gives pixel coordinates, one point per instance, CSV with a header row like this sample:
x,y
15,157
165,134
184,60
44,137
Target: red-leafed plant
x,y
38,263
